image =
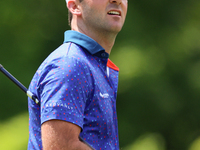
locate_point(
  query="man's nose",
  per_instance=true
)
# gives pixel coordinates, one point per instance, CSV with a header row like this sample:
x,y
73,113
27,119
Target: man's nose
x,y
118,2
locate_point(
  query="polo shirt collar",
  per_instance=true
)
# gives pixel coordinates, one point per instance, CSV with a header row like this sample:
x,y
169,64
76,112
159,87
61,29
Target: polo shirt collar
x,y
86,42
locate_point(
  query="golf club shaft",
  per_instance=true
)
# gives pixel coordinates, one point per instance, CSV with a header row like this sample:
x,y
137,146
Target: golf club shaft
x,y
20,85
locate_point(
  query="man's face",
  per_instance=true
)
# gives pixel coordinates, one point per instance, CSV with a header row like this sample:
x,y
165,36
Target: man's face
x,y
104,15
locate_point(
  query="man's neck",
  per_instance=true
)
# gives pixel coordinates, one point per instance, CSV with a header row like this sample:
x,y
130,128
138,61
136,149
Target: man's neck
x,y
105,39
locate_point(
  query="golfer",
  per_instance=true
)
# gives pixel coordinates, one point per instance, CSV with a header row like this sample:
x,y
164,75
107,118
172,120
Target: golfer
x,y
77,83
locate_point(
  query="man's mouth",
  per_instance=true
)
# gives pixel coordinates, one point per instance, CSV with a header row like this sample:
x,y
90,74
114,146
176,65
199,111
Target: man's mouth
x,y
114,13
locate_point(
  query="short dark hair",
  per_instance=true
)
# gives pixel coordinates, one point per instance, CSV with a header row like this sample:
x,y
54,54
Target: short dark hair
x,y
70,15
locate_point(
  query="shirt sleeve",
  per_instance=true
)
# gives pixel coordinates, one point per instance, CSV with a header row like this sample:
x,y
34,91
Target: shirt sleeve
x,y
64,87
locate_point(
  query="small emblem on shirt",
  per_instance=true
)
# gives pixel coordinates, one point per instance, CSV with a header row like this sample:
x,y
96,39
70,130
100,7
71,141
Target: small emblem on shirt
x,y
106,95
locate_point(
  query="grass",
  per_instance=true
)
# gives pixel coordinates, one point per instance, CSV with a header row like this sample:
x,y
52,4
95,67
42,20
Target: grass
x,y
14,133
150,141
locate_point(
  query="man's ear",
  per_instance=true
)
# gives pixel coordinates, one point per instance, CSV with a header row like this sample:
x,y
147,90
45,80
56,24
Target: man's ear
x,y
73,7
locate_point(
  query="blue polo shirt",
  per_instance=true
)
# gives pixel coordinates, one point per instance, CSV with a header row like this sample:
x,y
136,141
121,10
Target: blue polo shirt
x,y
76,83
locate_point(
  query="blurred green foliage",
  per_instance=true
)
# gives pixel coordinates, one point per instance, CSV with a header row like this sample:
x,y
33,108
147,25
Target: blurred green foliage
x,y
14,133
158,53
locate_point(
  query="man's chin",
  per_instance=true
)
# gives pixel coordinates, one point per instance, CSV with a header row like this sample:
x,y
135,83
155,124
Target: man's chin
x,y
116,29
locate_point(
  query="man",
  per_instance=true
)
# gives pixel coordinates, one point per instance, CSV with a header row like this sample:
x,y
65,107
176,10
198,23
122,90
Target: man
x,y
77,83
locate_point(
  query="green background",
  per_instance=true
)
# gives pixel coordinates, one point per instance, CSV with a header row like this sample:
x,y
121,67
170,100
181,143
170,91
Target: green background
x,y
157,51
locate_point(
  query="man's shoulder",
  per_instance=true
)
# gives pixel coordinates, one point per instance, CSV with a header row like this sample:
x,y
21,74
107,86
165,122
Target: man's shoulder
x,y
68,54
65,53
69,50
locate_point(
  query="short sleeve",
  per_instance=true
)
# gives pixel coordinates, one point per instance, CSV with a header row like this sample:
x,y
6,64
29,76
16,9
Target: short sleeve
x,y
64,90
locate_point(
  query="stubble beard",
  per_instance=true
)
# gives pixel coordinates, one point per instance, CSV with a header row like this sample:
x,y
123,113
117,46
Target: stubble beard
x,y
99,24
103,28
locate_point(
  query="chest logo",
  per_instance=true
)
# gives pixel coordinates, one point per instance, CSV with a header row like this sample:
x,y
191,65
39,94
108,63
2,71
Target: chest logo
x,y
106,95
